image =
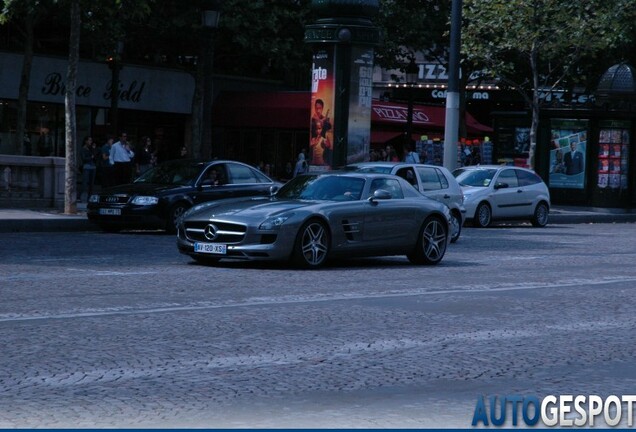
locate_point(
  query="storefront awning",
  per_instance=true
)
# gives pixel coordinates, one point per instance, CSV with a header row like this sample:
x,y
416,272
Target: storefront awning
x,y
292,110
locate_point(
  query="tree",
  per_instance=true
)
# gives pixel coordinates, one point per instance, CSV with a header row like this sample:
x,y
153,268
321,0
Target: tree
x,y
70,203
28,13
530,45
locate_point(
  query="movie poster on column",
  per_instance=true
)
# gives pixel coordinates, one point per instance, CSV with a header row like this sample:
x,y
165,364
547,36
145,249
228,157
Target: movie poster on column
x,y
321,134
361,86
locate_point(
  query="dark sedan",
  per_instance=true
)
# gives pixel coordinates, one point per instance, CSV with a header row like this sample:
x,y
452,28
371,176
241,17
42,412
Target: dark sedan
x,y
157,198
319,216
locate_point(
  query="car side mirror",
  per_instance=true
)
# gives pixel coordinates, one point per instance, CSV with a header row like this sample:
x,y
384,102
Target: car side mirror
x,y
380,194
273,190
500,185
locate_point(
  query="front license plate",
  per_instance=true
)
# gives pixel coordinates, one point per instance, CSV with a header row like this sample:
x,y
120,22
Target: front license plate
x,y
110,212
211,248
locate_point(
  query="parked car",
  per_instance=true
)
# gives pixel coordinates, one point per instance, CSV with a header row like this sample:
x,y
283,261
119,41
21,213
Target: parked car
x,y
314,217
157,198
432,181
499,192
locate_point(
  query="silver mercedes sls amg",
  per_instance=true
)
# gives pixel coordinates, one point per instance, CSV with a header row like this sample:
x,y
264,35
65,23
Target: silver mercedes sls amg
x,y
316,217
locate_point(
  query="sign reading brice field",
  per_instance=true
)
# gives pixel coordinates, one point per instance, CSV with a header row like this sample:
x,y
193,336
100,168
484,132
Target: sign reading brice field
x,y
568,153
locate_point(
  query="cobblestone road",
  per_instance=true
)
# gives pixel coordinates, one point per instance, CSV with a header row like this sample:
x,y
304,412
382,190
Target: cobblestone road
x,y
119,330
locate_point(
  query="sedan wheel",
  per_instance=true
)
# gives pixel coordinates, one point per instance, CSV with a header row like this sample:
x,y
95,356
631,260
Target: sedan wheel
x,y
173,217
312,245
431,244
456,227
540,217
483,216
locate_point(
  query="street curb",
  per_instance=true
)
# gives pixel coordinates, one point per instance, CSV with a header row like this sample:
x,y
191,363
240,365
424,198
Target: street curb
x,y
61,224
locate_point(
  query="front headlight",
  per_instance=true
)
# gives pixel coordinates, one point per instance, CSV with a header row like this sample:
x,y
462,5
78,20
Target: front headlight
x,y
94,199
145,200
273,223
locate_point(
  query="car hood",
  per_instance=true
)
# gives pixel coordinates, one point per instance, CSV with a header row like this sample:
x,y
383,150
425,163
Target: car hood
x,y
246,209
143,189
472,190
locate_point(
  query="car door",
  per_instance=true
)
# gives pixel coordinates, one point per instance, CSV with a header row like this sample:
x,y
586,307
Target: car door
x,y
435,185
508,201
388,223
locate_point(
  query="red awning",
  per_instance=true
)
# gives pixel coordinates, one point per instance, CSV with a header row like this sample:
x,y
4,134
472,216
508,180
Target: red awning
x,y
292,110
424,117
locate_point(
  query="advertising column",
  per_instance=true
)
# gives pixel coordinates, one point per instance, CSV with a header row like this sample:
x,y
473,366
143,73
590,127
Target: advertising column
x,y
343,37
613,162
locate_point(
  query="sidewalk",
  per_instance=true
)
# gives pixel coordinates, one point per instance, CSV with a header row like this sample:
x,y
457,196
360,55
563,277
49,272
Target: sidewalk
x,y
51,220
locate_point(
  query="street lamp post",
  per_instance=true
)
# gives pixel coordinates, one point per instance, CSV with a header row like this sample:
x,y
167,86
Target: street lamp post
x,y
210,14
411,72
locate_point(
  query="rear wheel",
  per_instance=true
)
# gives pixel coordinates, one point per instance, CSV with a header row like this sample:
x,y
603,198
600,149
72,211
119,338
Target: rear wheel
x,y
456,226
176,211
540,217
431,243
312,244
483,215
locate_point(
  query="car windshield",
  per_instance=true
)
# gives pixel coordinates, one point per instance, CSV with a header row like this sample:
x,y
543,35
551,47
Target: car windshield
x,y
317,187
474,177
172,173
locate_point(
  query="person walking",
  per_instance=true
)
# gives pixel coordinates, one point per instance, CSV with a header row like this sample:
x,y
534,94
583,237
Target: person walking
x,y
89,168
143,159
121,156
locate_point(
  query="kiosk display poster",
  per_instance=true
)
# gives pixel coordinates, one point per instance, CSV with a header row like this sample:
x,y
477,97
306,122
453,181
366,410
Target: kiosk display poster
x,y
322,110
613,155
568,152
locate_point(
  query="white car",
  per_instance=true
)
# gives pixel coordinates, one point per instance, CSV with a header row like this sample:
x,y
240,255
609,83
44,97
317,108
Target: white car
x,y
500,192
433,181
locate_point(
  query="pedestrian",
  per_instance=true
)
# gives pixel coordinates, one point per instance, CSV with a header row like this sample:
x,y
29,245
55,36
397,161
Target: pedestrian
x,y
411,155
104,167
301,164
143,157
89,168
121,156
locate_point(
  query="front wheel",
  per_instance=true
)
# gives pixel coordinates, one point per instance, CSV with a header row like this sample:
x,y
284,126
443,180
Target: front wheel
x,y
312,245
483,215
431,243
540,217
176,211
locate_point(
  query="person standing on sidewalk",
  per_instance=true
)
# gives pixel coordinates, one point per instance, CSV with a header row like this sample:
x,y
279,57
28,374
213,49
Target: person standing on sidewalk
x,y
87,154
121,156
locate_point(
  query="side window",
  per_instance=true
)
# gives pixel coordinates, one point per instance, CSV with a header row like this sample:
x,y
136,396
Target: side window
x,y
409,175
527,178
389,185
215,175
443,179
508,176
241,174
430,178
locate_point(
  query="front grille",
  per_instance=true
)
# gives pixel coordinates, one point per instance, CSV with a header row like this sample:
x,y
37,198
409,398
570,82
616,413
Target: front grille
x,y
113,199
225,232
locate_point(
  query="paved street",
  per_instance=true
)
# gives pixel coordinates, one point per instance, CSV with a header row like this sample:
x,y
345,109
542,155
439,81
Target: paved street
x,y
120,330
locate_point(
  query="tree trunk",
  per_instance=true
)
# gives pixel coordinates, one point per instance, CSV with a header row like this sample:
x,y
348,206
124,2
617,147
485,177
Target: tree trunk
x,y
535,108
23,92
70,194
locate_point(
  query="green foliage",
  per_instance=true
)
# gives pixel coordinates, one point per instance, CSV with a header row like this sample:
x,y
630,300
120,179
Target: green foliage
x,y
557,40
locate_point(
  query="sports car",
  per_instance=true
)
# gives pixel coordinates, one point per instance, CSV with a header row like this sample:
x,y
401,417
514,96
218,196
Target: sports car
x,y
316,217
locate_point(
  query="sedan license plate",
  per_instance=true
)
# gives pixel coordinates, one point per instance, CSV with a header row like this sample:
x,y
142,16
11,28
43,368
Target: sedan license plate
x,y
110,211
211,248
